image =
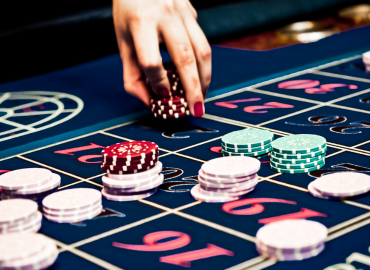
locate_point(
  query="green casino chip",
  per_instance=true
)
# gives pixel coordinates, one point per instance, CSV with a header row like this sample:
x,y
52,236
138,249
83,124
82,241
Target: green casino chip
x,y
253,154
299,144
247,138
246,150
297,166
295,161
294,171
298,156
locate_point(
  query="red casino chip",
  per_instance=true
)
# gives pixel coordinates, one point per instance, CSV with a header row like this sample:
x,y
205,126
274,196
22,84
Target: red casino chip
x,y
135,162
169,101
135,150
126,169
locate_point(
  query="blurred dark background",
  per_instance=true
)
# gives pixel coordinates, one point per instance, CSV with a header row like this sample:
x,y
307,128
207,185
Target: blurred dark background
x,y
41,36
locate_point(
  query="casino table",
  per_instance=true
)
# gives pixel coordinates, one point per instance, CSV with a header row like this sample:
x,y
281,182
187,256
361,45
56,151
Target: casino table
x,y
62,120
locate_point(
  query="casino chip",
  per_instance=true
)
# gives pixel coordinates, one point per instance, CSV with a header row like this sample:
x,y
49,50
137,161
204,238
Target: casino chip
x,y
226,179
291,240
299,144
366,60
298,153
31,183
175,105
26,252
339,185
247,142
19,216
135,181
72,205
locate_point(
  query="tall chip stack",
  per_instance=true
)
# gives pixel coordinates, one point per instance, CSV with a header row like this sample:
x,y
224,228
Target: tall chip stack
x,y
248,142
226,179
300,153
291,239
366,60
19,216
175,105
132,170
31,183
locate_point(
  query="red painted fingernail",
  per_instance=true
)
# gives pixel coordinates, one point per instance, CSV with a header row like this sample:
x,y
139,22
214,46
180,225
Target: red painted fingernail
x,y
198,109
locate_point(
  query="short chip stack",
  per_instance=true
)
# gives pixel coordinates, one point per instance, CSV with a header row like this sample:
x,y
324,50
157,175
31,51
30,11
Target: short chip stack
x,y
19,216
340,185
300,153
248,142
72,205
291,240
226,179
175,105
26,252
133,171
32,183
366,60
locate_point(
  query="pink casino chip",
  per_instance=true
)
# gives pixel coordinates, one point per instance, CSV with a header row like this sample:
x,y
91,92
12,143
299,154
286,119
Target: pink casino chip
x,y
72,199
343,184
229,167
292,234
17,246
17,210
125,198
314,192
197,195
24,178
53,183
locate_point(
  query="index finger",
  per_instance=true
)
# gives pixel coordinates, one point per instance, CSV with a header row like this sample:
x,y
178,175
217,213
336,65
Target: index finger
x,y
181,51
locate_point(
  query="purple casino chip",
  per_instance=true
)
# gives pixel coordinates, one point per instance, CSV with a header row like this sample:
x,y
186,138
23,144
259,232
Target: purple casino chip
x,y
53,183
139,189
40,260
72,199
16,210
24,178
22,226
18,247
200,197
296,255
242,185
143,175
231,167
72,214
225,194
292,234
314,192
208,178
343,184
124,198
73,219
232,188
117,184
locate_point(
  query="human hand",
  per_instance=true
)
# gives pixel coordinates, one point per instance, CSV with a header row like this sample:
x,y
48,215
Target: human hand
x,y
140,26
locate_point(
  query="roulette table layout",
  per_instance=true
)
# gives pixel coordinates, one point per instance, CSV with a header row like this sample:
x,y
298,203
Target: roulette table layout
x,y
61,121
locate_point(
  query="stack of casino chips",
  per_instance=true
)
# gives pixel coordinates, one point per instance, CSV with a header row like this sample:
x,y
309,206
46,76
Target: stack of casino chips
x,y
291,240
19,216
339,185
133,171
300,153
366,60
175,105
248,142
26,252
32,183
72,205
226,179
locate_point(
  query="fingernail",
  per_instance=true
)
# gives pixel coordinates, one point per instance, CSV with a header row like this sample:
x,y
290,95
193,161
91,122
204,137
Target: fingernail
x,y
198,109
